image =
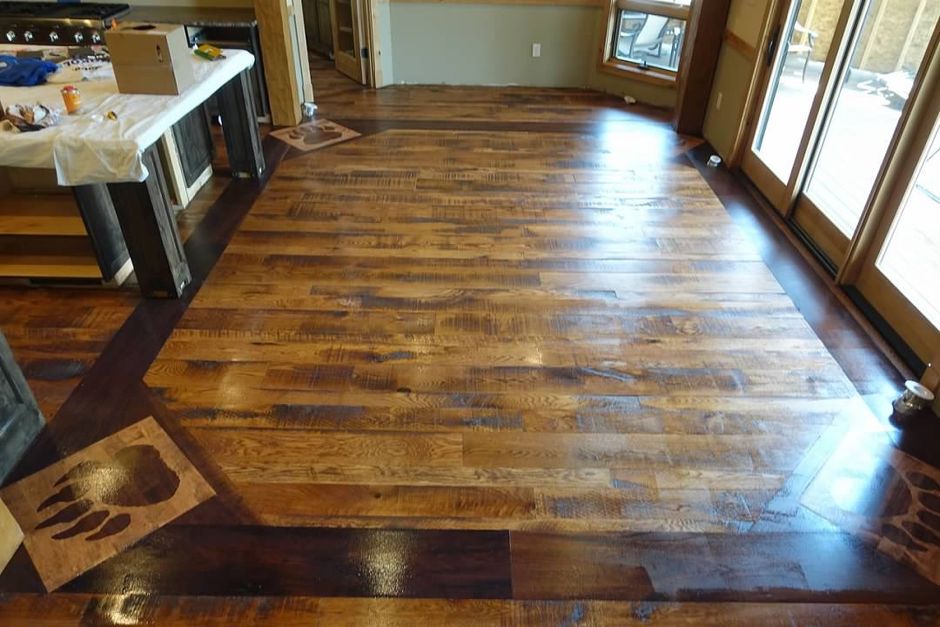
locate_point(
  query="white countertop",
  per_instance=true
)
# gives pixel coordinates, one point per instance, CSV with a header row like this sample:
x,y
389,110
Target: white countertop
x,y
88,148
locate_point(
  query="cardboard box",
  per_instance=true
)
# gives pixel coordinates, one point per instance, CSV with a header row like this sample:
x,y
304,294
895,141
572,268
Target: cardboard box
x,y
150,58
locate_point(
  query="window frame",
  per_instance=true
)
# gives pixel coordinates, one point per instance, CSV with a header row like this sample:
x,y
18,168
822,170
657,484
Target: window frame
x,y
610,64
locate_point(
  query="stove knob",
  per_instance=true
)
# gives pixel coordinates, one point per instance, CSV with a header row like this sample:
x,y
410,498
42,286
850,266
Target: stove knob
x,y
28,36
11,36
53,36
95,38
78,37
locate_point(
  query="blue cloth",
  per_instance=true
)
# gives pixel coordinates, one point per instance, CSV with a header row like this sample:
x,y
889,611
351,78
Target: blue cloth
x,y
15,72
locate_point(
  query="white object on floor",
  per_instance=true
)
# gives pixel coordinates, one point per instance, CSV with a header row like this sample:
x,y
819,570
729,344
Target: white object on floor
x,y
630,100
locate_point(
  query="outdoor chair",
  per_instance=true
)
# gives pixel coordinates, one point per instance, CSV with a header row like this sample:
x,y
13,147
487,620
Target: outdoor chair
x,y
803,42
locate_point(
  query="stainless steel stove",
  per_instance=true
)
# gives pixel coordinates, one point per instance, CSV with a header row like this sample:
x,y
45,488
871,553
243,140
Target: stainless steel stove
x,y
44,23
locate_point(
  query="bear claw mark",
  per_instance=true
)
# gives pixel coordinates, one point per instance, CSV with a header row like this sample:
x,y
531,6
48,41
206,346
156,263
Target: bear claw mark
x,y
930,520
116,525
90,522
137,476
931,502
922,481
898,536
921,533
67,514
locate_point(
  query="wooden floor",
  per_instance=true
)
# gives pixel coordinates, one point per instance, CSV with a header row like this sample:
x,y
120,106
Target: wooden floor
x,y
514,356
510,331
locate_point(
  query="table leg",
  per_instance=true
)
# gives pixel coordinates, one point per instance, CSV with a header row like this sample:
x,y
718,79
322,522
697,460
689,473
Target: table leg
x,y
149,227
240,127
104,230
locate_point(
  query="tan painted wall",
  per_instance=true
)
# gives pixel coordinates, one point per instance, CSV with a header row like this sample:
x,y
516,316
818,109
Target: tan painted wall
x,y
746,18
733,76
490,44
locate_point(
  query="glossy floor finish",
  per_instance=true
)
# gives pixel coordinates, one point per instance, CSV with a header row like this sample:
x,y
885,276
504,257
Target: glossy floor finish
x,y
56,344
509,331
505,358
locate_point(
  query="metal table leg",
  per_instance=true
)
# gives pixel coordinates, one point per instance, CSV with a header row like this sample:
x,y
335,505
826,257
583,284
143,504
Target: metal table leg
x,y
240,127
149,227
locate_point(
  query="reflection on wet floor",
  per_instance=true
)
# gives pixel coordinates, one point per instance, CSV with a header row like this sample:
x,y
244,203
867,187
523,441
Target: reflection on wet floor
x,y
87,507
870,489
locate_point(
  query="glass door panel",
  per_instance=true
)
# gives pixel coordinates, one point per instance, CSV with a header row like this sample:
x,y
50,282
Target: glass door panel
x,y
887,53
910,257
802,49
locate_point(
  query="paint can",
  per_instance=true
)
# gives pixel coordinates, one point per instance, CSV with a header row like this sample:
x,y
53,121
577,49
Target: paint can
x,y
914,401
308,110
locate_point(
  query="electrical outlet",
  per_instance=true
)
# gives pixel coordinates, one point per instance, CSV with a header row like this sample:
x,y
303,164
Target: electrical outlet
x,y
718,100
536,50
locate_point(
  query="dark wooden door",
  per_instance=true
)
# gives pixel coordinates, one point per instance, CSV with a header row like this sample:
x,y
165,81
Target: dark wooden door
x,y
20,418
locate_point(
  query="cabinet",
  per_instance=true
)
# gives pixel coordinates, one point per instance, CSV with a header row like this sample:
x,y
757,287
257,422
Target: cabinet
x,y
20,418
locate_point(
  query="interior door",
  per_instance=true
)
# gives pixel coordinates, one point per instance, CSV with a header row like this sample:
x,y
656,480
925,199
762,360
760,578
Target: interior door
x,y
803,49
347,19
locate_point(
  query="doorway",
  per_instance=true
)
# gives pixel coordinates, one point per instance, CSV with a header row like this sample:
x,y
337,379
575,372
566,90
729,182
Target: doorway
x,y
337,30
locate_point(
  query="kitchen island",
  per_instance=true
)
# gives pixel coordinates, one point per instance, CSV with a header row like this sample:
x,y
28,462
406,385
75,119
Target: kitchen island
x,y
106,155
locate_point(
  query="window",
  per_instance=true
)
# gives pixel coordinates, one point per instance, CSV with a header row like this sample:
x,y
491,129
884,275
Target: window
x,y
647,35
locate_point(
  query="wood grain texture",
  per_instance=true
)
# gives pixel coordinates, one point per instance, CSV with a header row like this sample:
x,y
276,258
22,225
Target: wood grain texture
x,y
457,329
82,609
274,26
396,307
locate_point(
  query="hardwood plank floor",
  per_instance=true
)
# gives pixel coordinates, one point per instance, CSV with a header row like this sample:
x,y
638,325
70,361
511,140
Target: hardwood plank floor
x,y
57,334
514,357
75,609
675,322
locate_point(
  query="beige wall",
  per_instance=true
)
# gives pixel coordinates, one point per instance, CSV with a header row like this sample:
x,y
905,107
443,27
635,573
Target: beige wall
x,y
490,44
733,76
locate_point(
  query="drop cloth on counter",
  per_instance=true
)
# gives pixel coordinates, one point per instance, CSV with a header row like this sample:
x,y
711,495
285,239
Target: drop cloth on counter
x,y
88,148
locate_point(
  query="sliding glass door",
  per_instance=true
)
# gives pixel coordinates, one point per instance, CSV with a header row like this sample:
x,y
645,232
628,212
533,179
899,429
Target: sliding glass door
x,y
846,146
802,52
899,273
841,75
887,52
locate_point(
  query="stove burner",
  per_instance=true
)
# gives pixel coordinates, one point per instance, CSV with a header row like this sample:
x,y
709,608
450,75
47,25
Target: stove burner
x,y
56,24
86,11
